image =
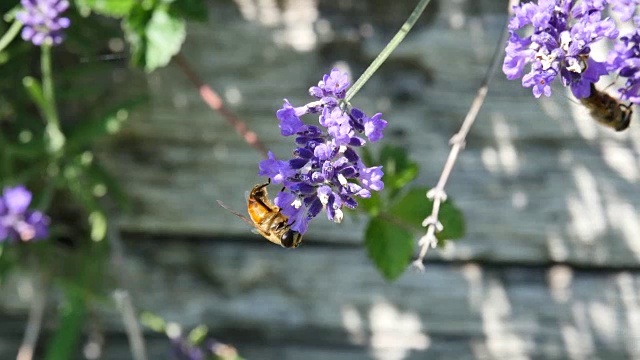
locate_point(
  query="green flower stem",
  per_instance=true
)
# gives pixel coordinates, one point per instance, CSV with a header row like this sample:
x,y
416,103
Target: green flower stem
x,y
10,34
54,135
6,168
392,45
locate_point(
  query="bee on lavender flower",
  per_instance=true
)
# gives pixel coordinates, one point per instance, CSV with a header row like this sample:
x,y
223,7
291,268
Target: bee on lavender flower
x,y
325,173
267,219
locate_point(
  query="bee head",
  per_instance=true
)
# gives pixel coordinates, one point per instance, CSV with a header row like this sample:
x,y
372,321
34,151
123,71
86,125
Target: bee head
x,y
291,239
627,112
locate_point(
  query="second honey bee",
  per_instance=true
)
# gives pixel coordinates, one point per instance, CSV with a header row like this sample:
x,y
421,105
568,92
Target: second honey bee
x,y
267,219
607,110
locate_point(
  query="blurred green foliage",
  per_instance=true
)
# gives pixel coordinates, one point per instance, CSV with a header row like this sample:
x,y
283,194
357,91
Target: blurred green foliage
x,y
57,104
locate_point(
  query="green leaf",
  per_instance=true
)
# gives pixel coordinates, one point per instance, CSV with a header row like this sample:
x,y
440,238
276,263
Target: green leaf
x,y
113,8
389,245
453,221
398,169
134,30
64,344
165,35
155,36
190,9
413,207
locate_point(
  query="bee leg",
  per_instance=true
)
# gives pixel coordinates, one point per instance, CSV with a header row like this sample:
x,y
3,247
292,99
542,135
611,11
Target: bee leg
x,y
259,192
261,186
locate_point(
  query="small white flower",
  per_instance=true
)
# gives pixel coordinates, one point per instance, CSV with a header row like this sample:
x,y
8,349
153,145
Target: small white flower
x,y
565,40
305,169
342,180
339,215
546,60
574,66
324,198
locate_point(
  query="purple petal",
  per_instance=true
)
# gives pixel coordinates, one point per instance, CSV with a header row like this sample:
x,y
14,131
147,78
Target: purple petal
x,y
371,178
17,199
40,223
374,126
290,123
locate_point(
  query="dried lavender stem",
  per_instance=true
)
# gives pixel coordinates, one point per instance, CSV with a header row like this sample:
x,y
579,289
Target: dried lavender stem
x,y
458,141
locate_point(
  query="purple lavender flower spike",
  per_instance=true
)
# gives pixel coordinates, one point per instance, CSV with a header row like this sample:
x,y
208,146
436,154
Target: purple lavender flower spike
x,y
17,222
559,43
326,172
43,22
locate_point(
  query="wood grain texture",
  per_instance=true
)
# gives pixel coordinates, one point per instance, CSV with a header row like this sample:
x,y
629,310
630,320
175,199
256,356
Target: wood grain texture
x,y
538,181
321,300
548,268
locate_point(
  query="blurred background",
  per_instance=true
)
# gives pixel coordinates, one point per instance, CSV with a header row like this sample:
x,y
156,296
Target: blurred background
x,y
549,264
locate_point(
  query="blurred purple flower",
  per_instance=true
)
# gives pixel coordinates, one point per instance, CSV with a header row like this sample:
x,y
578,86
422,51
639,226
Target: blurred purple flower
x,y
183,349
43,21
624,8
17,222
325,170
624,59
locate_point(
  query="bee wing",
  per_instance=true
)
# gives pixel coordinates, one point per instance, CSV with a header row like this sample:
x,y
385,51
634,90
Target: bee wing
x,y
237,214
256,229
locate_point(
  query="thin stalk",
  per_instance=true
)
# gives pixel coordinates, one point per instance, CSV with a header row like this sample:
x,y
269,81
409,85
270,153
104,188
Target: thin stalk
x,y
437,194
34,323
384,54
122,298
214,101
13,31
54,134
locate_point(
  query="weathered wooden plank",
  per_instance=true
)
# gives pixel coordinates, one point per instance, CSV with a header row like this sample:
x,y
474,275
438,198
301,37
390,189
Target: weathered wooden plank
x,y
557,186
322,297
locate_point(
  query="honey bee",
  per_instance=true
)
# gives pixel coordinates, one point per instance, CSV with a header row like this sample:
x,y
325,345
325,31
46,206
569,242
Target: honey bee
x,y
607,110
267,219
